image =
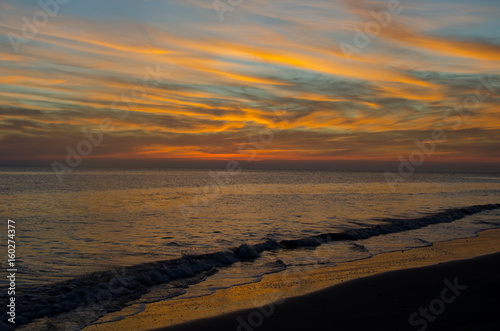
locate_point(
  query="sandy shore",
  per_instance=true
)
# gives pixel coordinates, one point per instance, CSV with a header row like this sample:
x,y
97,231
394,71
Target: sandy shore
x,y
386,299
457,295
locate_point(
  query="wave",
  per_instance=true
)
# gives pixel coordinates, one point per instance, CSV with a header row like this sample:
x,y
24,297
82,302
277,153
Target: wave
x,y
102,292
392,226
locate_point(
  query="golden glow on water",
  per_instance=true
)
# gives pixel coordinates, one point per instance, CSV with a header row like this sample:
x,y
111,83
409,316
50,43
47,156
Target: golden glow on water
x,y
277,286
106,218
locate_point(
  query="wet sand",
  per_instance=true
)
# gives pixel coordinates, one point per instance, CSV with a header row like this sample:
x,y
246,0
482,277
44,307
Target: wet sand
x,y
384,298
458,295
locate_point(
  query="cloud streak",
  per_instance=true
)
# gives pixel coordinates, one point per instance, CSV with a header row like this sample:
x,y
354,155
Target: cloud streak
x,y
223,82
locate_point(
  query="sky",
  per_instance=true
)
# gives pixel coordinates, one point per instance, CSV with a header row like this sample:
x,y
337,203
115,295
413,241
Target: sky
x,y
260,81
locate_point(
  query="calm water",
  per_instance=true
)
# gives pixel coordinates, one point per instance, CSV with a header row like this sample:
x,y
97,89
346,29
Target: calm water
x,y
99,220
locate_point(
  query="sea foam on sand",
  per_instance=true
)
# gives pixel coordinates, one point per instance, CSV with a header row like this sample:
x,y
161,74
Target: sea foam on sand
x,y
251,296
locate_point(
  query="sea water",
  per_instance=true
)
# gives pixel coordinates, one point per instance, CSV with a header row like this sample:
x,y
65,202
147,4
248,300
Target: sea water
x,y
142,235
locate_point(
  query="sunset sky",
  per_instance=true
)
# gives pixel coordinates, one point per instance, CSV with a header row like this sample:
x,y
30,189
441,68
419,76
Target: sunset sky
x,y
304,80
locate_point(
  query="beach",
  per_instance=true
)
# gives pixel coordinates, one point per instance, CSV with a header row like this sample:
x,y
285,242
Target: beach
x,y
380,292
249,165
141,251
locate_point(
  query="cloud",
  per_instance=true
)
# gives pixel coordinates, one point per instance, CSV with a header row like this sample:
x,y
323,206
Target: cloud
x,y
220,83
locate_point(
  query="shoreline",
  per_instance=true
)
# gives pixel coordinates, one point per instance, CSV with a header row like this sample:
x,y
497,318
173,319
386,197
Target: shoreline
x,y
281,286
454,295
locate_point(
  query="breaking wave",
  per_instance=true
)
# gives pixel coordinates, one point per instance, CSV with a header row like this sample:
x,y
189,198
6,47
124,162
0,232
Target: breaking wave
x,y
102,292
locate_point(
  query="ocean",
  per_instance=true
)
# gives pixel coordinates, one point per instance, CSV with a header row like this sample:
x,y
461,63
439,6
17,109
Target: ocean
x,y
101,240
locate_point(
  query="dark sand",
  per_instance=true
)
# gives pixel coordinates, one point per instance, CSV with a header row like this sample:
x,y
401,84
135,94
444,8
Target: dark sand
x,y
383,302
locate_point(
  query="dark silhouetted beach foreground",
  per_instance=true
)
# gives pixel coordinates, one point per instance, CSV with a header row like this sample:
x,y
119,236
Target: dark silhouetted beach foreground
x,y
456,295
451,285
